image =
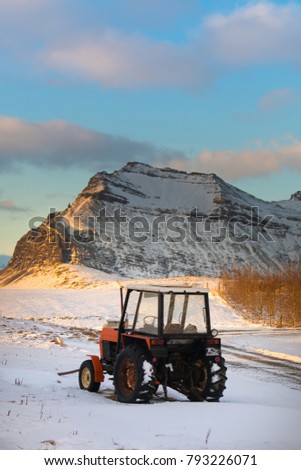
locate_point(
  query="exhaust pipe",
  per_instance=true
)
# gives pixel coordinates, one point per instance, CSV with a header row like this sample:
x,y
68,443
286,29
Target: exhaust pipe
x,y
121,299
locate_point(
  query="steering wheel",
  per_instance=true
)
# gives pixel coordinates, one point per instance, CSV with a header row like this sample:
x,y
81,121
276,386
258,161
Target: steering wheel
x,y
152,318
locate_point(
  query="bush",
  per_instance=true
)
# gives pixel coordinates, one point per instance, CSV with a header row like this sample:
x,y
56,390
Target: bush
x,y
270,298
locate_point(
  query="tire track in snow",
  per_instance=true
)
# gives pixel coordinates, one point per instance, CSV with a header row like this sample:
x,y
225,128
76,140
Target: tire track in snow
x,y
266,367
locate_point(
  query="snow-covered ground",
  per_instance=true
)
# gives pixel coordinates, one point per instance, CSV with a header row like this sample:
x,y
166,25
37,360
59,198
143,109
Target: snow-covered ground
x,y
261,408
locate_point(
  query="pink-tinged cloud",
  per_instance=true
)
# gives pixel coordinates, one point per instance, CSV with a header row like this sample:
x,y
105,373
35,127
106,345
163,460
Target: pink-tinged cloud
x,y
59,144
260,33
129,61
233,165
257,34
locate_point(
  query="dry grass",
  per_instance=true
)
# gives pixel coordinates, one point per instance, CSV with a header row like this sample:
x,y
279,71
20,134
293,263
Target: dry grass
x,y
273,299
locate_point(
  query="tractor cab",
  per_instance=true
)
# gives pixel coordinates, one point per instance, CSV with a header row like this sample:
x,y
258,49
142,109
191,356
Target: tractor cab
x,y
166,311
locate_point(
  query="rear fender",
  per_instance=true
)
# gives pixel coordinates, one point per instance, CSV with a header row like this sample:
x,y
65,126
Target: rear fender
x,y
98,369
142,341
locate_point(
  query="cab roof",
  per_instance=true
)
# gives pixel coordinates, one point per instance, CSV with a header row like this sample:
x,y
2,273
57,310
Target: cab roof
x,y
167,289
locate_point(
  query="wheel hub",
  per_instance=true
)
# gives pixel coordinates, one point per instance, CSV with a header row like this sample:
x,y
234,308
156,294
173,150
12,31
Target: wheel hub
x,y
86,377
128,376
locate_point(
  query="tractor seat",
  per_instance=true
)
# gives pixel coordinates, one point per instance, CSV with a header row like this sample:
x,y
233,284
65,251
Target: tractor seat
x,y
150,329
173,328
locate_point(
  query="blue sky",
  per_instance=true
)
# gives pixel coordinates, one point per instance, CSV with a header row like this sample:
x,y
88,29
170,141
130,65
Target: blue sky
x,y
85,86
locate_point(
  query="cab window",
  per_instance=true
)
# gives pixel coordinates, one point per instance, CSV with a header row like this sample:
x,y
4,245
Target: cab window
x,y
142,312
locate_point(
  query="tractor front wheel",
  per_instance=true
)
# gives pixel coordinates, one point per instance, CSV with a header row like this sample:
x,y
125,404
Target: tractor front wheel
x,y
86,377
133,376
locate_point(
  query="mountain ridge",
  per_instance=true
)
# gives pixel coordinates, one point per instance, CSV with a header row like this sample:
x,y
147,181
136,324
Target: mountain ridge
x,y
143,221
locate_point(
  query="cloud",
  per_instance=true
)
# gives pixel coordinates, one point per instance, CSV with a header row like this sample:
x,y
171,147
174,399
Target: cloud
x,y
62,144
266,32
280,98
234,165
260,33
121,60
257,34
10,206
59,144
62,37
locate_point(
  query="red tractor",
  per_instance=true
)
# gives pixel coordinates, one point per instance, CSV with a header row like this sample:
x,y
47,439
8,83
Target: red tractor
x,y
164,337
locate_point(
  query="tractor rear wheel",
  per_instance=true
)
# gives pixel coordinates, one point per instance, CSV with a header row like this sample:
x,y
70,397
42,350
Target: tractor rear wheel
x,y
133,376
216,385
208,381
86,377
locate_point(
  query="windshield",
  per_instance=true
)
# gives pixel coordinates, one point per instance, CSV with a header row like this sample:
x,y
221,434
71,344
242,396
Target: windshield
x,y
142,312
184,314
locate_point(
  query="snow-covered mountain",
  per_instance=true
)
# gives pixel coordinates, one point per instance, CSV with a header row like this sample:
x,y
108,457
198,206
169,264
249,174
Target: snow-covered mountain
x,y
142,221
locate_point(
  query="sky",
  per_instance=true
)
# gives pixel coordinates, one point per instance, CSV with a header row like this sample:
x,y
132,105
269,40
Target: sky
x,y
212,86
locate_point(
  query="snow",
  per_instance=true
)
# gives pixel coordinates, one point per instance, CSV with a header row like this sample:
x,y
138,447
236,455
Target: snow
x,y
261,407
172,192
279,355
148,372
